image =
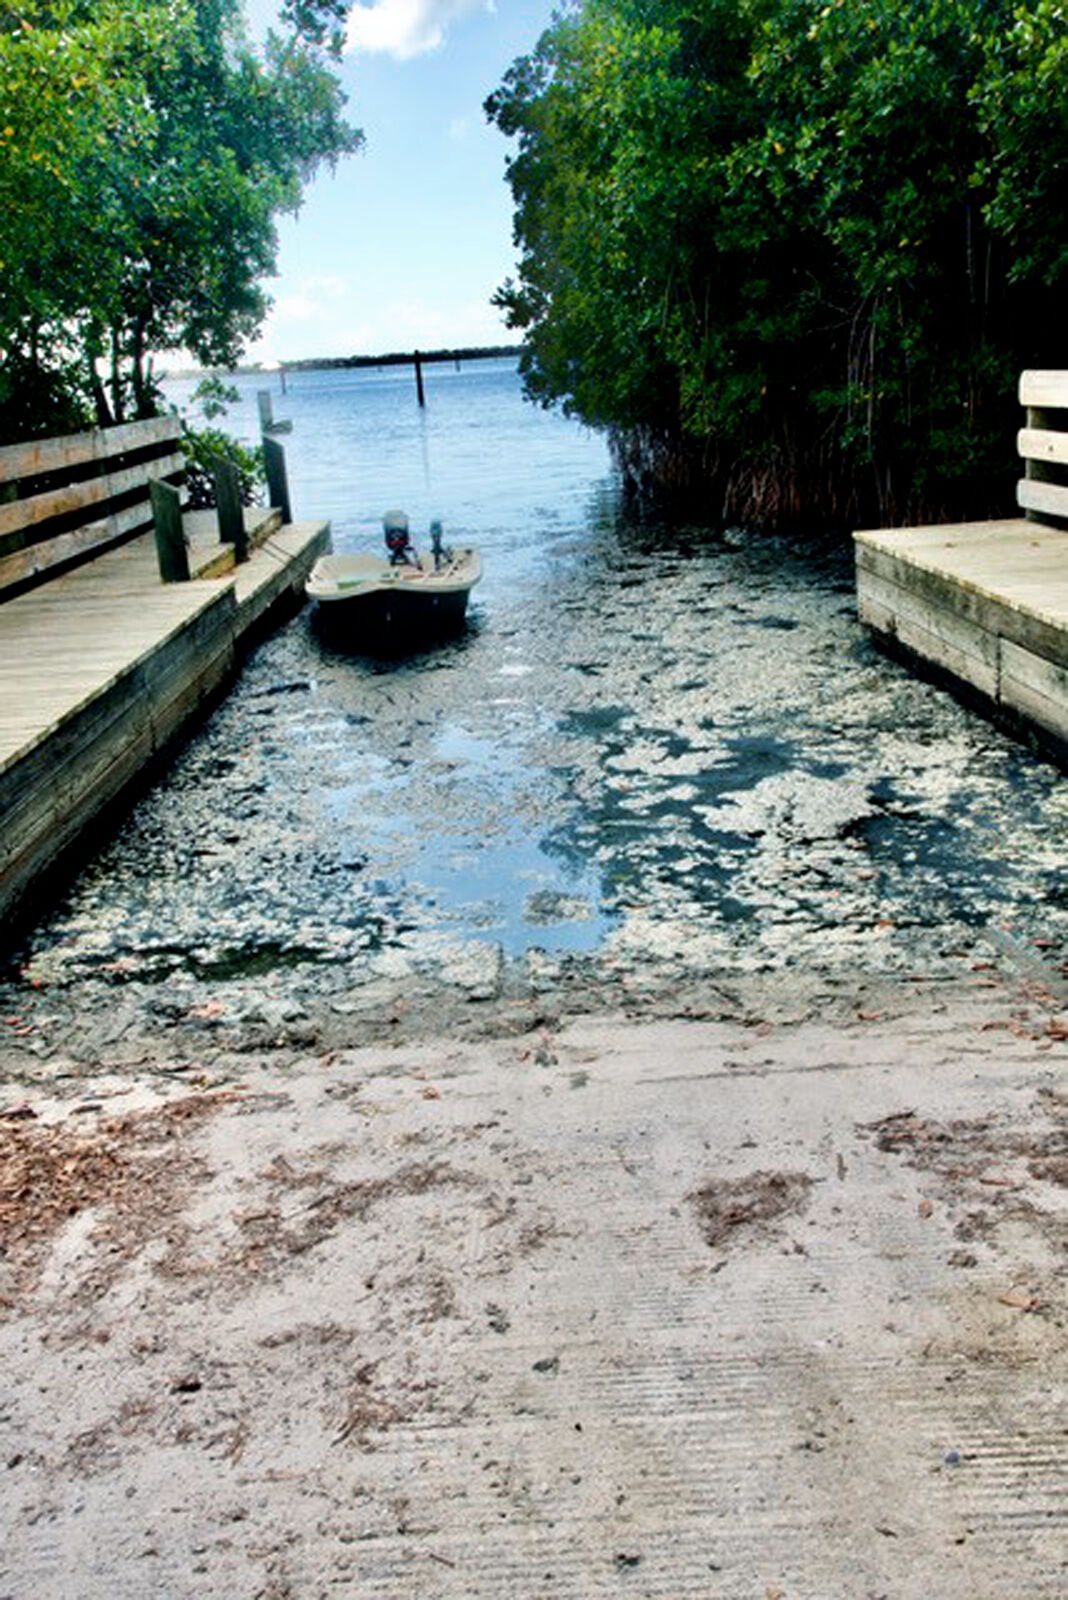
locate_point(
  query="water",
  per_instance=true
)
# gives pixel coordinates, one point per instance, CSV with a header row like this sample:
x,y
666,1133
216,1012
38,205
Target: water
x,y
656,751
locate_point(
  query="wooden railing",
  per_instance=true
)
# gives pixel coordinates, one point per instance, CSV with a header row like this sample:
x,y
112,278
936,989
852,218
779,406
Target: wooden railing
x,y
1042,494
65,500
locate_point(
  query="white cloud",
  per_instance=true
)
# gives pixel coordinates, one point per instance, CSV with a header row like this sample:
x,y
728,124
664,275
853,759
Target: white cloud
x,y
404,28
309,299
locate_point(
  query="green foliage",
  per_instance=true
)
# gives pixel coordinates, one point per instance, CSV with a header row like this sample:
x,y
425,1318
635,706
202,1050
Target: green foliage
x,y
205,447
797,252
214,396
146,151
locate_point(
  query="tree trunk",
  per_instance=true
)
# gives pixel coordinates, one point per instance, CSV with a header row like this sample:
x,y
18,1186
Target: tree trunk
x,y
118,404
144,403
104,418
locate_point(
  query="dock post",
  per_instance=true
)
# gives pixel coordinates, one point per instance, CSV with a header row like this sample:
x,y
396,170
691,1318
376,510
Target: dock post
x,y
269,423
419,379
274,458
231,512
171,551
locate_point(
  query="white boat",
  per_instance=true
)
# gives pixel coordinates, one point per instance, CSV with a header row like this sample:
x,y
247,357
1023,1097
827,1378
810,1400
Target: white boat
x,y
402,593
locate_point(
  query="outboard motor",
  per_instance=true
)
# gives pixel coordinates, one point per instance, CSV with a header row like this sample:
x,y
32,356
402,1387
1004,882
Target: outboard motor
x,y
395,528
440,551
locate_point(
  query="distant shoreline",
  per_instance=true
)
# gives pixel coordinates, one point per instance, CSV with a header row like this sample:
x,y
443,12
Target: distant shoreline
x,y
403,358
393,358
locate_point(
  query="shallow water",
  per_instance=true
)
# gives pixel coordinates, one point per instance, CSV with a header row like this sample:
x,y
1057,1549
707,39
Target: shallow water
x,y
655,749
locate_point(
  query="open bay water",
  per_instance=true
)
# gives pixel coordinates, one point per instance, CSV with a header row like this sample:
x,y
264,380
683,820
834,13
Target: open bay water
x,y
661,752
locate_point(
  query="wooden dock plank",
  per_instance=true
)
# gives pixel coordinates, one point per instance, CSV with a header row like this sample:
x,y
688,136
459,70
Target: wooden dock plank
x,y
101,667
985,602
283,561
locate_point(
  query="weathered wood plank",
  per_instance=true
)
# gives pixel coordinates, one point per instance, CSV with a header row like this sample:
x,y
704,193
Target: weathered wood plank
x,y
56,552
91,492
1036,688
1044,389
988,602
1050,499
64,701
94,537
118,665
1038,672
74,771
966,634
1042,444
264,579
1011,579
39,456
84,763
37,558
931,636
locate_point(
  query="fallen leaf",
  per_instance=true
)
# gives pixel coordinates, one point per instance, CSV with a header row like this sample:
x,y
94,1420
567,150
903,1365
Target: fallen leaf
x,y
925,1208
1020,1300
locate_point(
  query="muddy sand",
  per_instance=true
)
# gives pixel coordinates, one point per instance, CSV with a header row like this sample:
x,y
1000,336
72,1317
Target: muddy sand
x,y
759,1303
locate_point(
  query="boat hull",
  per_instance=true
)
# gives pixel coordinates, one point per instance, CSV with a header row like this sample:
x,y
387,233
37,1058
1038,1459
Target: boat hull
x,y
367,599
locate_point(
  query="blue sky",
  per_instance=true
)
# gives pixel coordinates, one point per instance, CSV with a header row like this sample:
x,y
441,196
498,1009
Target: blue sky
x,y
402,247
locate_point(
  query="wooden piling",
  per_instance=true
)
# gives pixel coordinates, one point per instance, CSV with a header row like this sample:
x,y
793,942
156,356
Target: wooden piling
x,y
420,393
171,551
274,458
232,528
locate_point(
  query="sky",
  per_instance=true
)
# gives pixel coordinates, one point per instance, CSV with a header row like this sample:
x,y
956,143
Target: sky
x,y
402,247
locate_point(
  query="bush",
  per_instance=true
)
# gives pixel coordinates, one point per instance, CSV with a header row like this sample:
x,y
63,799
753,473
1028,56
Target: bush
x,y
205,447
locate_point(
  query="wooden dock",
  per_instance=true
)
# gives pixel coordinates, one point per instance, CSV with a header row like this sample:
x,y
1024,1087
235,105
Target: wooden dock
x,y
103,666
986,603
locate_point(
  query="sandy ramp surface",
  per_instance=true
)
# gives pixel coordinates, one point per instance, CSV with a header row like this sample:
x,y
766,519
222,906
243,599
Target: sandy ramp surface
x,y
659,1309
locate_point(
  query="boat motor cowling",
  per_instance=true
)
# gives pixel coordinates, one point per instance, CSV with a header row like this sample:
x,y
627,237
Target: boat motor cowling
x,y
399,545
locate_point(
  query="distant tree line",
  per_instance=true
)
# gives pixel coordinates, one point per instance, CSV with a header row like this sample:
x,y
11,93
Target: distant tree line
x,y
146,151
793,254
400,358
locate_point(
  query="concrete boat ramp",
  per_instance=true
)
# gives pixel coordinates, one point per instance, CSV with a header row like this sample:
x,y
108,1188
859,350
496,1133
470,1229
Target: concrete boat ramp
x,y
621,1310
102,666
